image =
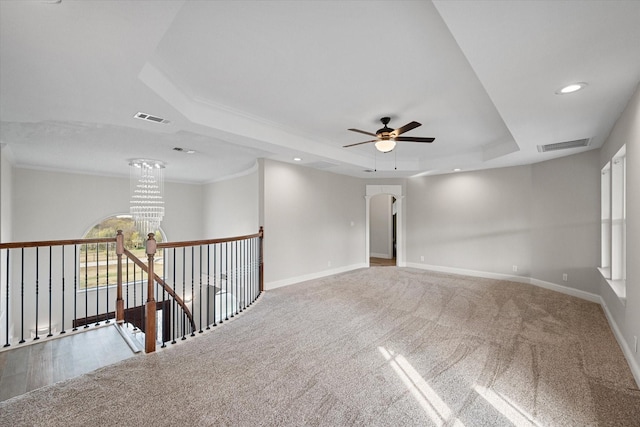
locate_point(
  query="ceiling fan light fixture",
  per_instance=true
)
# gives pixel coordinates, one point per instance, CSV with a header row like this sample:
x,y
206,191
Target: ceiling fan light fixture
x,y
385,145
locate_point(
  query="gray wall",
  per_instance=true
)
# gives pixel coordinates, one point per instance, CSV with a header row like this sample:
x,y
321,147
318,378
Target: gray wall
x,y
566,221
55,205
230,207
479,221
541,218
314,223
626,314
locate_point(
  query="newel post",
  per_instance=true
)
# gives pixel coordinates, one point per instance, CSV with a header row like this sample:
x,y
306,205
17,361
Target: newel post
x,y
261,233
150,306
119,300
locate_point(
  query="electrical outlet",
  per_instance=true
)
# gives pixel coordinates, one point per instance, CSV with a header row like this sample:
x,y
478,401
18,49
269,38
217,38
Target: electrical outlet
x,y
565,277
515,268
422,258
328,263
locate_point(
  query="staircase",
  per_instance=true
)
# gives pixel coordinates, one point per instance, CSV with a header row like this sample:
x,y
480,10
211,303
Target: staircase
x,y
40,363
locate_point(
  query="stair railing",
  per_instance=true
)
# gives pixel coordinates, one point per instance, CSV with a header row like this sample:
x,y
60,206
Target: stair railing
x,y
220,278
151,277
228,275
46,291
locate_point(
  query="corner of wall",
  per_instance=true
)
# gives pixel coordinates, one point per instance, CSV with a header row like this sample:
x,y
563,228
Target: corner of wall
x,y
319,275
6,192
6,206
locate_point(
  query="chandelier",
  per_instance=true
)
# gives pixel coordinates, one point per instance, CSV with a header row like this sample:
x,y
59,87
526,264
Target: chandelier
x,y
147,194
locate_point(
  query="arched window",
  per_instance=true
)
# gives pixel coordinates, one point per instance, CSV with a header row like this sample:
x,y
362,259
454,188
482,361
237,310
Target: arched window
x,y
98,262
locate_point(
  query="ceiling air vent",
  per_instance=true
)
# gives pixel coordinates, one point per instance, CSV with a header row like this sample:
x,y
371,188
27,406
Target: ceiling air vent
x,y
564,145
150,118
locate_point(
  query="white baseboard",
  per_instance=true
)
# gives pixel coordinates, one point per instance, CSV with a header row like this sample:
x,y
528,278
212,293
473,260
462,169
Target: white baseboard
x,y
626,350
566,290
472,273
520,279
312,276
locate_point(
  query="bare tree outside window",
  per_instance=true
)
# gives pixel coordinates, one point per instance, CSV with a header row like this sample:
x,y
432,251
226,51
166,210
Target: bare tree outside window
x,y
97,261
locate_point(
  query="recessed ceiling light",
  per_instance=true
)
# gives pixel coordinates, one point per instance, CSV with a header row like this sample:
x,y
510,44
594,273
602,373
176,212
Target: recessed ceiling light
x,y
457,170
573,87
297,159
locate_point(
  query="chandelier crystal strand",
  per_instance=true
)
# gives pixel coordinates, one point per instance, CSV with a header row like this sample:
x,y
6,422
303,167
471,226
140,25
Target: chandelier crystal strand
x,y
147,194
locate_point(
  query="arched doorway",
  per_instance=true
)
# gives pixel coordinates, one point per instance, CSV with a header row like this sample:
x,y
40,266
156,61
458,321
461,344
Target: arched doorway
x,y
396,192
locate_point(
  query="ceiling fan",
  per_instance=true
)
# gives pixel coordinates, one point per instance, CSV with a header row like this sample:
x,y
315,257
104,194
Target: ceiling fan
x,y
387,137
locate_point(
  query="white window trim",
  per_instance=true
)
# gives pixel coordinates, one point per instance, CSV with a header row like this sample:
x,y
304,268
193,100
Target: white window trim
x,y
613,224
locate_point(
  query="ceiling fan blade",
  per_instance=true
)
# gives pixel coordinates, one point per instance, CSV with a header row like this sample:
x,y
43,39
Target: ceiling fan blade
x,y
361,131
406,128
359,143
414,139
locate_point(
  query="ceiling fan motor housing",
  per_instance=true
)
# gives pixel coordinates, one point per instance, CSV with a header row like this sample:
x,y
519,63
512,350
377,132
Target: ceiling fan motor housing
x,y
385,132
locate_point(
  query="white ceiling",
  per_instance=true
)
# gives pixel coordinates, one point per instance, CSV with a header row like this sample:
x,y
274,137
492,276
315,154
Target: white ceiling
x,y
278,79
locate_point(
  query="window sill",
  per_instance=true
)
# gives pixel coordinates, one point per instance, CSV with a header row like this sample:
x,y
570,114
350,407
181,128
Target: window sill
x,y
619,287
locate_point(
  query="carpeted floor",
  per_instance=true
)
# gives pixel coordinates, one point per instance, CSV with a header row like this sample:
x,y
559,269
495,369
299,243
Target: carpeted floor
x,y
383,346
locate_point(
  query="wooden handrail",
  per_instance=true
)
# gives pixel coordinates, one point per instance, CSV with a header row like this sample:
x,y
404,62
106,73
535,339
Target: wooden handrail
x,y
163,245
166,287
17,245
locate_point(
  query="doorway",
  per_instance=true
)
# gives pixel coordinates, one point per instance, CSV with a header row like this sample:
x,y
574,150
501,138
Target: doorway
x,y
388,249
382,231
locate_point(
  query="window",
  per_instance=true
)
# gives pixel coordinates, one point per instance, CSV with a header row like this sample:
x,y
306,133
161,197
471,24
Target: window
x,y
98,262
614,223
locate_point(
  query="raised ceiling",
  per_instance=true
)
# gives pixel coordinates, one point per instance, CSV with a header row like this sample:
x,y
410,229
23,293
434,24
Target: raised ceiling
x,y
239,81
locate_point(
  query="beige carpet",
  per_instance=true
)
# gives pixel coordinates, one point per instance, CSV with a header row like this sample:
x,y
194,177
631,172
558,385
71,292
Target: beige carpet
x,y
382,346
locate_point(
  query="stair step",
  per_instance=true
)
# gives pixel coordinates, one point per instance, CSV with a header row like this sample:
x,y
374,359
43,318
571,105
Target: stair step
x,y
126,335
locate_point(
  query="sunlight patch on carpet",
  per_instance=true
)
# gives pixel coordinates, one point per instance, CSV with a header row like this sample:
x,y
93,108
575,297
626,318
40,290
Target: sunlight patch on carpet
x,y
428,399
506,407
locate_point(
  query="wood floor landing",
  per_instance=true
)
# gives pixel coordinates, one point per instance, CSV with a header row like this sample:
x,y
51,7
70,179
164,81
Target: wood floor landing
x,y
28,367
381,262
